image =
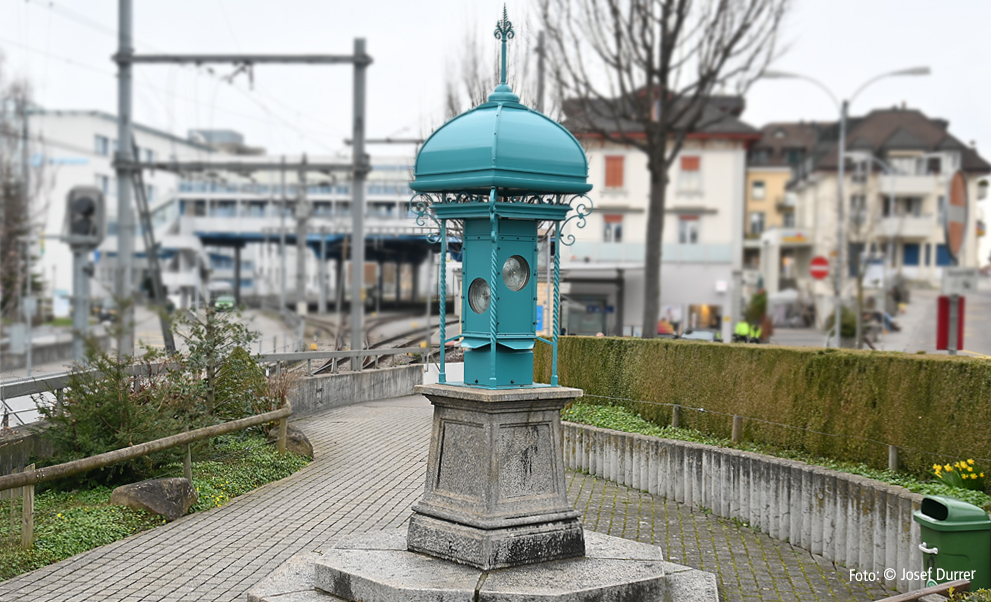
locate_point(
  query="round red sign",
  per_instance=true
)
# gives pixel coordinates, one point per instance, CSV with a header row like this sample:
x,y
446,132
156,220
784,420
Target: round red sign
x,y
819,268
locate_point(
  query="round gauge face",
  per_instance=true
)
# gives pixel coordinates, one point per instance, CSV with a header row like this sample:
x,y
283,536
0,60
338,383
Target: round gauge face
x,y
515,273
479,295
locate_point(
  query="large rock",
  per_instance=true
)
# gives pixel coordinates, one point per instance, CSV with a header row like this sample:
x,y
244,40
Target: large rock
x,y
169,498
296,441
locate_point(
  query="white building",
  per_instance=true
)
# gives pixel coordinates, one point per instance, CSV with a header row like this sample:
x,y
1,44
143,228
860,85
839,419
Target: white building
x,y
76,148
200,217
897,174
702,238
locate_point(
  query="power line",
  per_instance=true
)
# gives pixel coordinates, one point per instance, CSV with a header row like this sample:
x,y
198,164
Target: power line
x,y
112,32
271,118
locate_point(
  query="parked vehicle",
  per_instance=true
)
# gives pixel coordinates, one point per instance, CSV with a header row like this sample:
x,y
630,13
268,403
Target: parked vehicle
x,y
709,336
224,303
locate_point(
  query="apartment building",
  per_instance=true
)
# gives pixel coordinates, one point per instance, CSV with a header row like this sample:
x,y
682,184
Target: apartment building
x,y
898,165
702,241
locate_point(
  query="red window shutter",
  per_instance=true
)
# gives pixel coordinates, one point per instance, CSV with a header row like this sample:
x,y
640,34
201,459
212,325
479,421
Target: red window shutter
x,y
614,171
690,163
688,217
612,218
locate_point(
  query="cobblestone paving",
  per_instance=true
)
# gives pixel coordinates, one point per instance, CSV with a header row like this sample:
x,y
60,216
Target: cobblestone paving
x,y
369,470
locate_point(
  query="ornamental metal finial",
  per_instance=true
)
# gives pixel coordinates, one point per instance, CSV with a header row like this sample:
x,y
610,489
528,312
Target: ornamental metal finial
x,y
504,31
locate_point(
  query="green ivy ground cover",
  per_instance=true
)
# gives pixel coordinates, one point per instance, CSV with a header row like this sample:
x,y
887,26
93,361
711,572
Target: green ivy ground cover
x,y
622,419
68,523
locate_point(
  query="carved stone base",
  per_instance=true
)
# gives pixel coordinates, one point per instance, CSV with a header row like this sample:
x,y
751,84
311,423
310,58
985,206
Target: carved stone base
x,y
489,549
495,492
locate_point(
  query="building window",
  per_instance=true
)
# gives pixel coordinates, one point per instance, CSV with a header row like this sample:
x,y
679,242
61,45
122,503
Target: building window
x,y
789,219
858,210
928,254
690,179
150,193
941,211
101,145
149,155
103,183
756,222
910,253
614,171
613,231
943,257
688,229
757,190
855,251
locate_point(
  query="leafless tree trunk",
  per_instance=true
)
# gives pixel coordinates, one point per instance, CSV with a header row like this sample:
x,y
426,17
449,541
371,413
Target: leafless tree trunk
x,y
15,200
641,73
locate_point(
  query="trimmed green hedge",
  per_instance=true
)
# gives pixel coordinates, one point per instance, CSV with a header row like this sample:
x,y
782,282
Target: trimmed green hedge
x,y
932,404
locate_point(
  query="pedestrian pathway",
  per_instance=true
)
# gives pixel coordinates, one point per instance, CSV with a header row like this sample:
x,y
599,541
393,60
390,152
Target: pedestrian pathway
x,y
369,469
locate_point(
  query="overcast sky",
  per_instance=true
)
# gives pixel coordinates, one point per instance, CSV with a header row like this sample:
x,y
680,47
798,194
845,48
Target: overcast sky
x,y
64,49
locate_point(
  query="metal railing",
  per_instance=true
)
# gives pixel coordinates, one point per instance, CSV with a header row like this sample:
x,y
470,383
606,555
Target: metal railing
x,y
55,383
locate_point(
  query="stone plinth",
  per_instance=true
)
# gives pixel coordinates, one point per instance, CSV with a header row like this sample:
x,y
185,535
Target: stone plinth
x,y
495,491
377,567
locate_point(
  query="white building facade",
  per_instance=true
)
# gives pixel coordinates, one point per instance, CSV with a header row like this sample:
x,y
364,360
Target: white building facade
x,y
702,241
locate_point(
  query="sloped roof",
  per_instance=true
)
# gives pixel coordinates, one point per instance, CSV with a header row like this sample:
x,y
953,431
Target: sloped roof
x,y
776,138
884,130
720,117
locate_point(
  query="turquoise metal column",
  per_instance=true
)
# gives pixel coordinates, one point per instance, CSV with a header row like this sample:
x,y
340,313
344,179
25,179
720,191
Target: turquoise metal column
x,y
557,300
493,283
442,377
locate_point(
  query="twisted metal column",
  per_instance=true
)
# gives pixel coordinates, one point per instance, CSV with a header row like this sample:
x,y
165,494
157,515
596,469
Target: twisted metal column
x,y
442,376
556,300
493,298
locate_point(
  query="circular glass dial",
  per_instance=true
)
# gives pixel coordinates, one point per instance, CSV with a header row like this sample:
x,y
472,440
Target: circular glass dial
x,y
515,273
479,295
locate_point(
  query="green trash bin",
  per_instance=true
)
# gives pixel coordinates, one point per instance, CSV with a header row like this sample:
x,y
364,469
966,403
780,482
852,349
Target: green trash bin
x,y
956,539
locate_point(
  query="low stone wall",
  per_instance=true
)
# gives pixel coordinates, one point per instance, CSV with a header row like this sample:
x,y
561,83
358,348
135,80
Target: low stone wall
x,y
23,446
853,521
315,393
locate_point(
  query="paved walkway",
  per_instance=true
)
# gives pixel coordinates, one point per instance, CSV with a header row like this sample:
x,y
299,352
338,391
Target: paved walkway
x,y
369,470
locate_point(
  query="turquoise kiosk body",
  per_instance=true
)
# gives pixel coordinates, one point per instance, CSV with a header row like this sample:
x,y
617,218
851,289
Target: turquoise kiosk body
x,y
496,173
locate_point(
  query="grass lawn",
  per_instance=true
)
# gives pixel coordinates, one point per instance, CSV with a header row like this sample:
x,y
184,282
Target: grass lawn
x,y
68,523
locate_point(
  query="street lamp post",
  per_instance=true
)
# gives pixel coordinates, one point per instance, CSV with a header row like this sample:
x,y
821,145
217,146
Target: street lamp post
x,y
841,159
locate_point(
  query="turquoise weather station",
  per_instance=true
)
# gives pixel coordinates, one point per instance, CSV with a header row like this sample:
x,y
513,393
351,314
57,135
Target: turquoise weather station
x,y
494,177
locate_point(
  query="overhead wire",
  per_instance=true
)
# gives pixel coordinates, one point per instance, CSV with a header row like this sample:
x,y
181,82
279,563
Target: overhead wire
x,y
112,32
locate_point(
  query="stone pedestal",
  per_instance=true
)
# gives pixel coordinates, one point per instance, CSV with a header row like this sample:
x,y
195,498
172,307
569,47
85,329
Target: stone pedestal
x,y
495,492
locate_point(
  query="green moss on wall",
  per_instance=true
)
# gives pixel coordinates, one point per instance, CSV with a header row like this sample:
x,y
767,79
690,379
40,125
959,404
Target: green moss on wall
x,y
933,404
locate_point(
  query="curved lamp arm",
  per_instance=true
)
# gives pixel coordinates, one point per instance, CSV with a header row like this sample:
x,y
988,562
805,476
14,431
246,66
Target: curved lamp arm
x,y
912,71
789,75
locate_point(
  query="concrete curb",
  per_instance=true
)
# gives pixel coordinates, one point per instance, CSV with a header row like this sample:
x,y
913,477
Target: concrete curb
x,y
850,520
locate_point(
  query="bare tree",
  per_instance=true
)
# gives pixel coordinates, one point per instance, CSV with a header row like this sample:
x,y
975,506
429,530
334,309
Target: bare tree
x,y
474,73
642,73
14,196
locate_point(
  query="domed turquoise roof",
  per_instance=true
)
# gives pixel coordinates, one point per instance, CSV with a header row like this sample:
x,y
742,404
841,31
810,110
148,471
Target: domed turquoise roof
x,y
505,144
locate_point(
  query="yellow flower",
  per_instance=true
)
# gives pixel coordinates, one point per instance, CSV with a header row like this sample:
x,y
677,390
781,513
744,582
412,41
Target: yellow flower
x,y
970,468
971,461
948,468
982,474
936,467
